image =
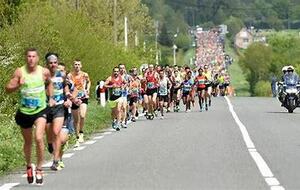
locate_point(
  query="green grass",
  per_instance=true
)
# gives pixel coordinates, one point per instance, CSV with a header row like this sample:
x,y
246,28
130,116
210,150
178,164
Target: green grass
x,y
11,151
238,79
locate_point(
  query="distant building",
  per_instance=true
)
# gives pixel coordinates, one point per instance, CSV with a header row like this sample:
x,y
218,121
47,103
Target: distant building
x,y
243,39
246,37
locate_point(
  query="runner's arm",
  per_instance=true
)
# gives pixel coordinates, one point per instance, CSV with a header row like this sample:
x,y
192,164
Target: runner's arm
x,y
15,82
88,84
107,83
49,86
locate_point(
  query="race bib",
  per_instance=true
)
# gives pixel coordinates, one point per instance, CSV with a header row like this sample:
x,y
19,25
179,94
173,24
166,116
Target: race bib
x,y
117,92
150,85
163,91
31,102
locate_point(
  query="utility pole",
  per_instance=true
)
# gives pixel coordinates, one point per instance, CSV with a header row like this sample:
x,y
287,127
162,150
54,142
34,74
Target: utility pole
x,y
126,32
156,42
77,4
115,23
136,39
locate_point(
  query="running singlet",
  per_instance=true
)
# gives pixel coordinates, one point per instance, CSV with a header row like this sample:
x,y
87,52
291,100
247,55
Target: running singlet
x,y
208,75
58,84
151,81
80,83
116,91
163,87
200,81
134,88
178,80
33,93
187,86
126,78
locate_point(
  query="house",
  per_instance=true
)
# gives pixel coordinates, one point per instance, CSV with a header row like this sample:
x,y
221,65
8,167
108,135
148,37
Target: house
x,y
243,39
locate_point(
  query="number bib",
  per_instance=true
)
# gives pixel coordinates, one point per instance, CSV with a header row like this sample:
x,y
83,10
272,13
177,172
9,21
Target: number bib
x,y
117,92
150,85
31,102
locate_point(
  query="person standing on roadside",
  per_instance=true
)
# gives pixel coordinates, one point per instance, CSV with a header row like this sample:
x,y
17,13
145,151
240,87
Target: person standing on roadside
x,y
82,83
32,81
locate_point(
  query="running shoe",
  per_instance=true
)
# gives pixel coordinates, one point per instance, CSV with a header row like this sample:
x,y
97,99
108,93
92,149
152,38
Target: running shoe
x,y
133,119
61,165
162,117
29,172
39,177
80,139
123,125
77,144
55,166
117,127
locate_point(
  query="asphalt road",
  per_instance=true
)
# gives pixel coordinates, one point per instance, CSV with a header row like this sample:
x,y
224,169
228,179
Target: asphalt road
x,y
189,151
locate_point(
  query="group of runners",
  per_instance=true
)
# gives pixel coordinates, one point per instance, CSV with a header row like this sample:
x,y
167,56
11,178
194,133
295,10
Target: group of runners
x,y
160,89
53,102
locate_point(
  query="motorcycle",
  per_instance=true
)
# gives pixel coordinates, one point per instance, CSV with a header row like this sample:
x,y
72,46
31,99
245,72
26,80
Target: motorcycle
x,y
289,95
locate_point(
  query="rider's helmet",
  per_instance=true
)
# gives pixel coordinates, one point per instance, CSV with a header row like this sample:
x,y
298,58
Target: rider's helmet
x,y
284,69
290,68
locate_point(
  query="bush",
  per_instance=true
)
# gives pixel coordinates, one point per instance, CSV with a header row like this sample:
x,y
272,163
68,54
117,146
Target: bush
x,y
263,88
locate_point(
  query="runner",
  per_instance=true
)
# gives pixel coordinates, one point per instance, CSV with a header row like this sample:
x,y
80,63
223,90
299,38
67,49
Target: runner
x,y
82,83
32,80
187,86
126,78
134,91
201,89
152,79
55,115
177,90
68,125
163,92
115,83
208,74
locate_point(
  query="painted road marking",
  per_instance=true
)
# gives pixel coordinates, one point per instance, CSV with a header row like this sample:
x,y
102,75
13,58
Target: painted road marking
x,y
69,155
263,167
90,142
99,137
79,148
47,165
107,133
8,186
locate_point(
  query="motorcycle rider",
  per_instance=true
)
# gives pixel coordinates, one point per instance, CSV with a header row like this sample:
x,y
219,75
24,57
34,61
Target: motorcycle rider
x,y
280,84
288,75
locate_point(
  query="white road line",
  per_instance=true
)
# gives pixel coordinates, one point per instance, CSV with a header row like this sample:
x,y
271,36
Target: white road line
x,y
79,148
90,142
272,181
47,165
69,155
8,186
107,133
99,137
264,169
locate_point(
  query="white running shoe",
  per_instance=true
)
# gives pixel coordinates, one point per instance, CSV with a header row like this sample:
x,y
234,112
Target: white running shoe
x,y
77,144
80,139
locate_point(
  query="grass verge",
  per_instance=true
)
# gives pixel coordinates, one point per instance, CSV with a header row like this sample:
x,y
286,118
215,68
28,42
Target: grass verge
x,y
238,79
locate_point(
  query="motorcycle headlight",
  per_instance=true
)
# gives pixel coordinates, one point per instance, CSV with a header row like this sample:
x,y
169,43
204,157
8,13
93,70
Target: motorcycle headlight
x,y
291,90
